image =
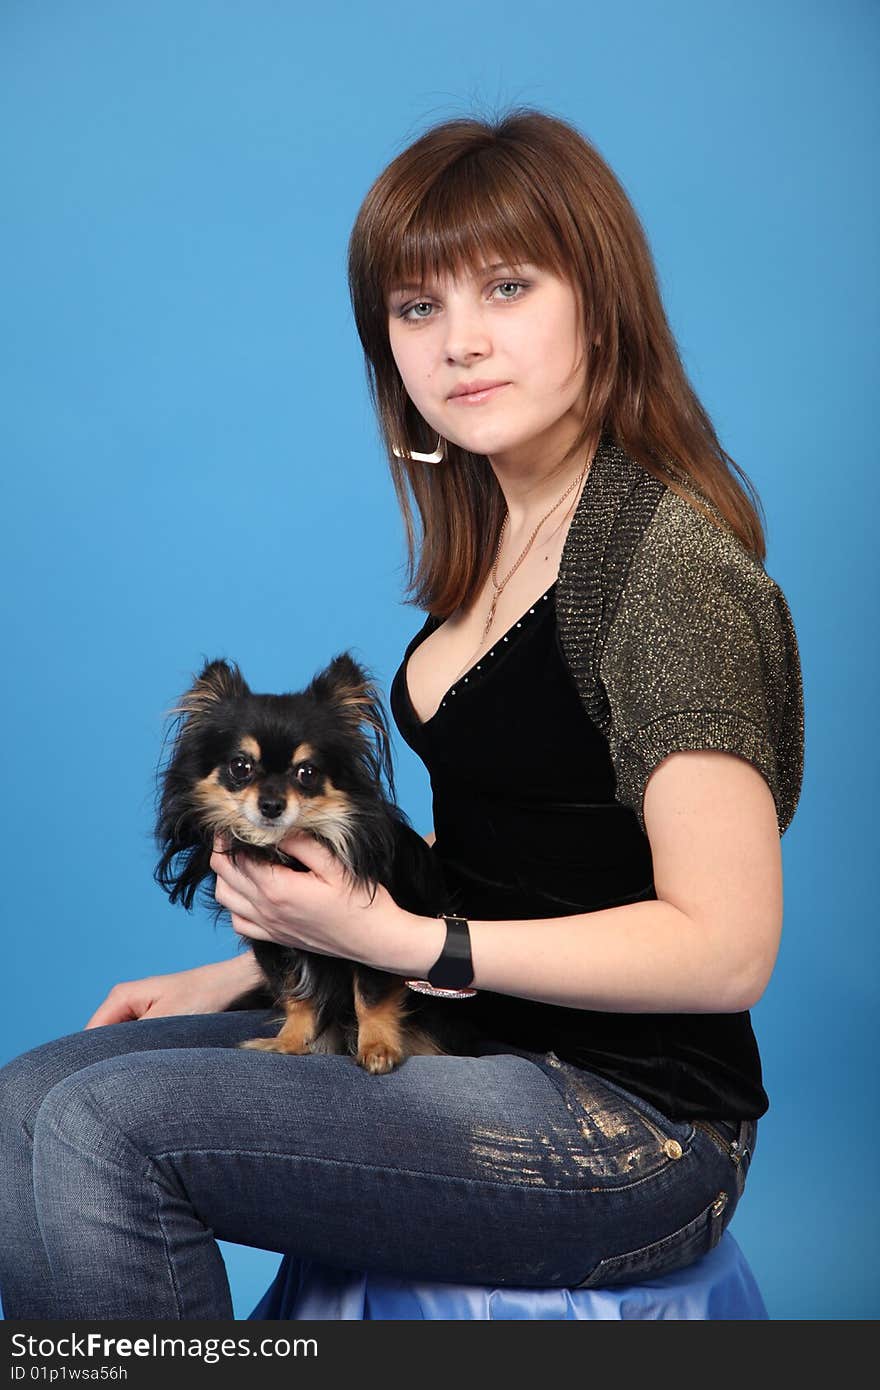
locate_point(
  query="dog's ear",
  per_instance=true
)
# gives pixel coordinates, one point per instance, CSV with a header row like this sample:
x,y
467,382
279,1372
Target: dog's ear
x,y
219,681
350,687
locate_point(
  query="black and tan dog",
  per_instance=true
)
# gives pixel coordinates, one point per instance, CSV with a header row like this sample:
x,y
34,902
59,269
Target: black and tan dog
x,y
256,767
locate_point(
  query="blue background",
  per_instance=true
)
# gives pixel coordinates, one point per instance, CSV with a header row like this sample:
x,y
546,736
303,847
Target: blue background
x,y
191,468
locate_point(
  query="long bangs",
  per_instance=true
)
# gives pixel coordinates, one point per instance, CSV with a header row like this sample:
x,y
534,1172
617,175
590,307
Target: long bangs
x,y
483,208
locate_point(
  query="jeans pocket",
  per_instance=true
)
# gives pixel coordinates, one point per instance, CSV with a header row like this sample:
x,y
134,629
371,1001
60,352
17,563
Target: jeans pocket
x,y
684,1247
665,1128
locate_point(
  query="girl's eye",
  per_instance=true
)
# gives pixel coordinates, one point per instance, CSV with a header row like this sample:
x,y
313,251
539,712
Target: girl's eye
x,y
240,768
421,304
514,285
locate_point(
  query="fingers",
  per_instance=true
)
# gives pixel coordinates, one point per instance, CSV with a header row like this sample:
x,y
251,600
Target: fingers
x,y
249,929
246,874
118,1007
317,857
271,902
107,1013
231,896
242,898
298,844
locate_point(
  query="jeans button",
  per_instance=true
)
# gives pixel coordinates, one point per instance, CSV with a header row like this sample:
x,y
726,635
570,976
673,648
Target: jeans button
x,y
719,1204
673,1148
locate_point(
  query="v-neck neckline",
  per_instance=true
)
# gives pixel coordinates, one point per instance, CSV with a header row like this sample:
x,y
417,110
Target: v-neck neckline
x,y
612,482
465,677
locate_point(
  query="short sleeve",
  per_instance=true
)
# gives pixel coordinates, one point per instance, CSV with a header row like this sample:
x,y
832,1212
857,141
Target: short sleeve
x,y
701,653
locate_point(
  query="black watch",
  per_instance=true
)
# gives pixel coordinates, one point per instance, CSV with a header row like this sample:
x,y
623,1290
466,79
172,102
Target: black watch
x,y
453,968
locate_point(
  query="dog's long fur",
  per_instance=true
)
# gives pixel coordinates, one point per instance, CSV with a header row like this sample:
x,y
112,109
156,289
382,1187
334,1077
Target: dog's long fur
x,y
256,767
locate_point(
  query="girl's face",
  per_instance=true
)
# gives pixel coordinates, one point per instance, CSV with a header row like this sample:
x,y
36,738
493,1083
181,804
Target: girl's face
x,y
514,330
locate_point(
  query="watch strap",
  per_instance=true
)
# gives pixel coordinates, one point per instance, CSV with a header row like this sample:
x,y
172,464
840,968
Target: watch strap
x,y
453,968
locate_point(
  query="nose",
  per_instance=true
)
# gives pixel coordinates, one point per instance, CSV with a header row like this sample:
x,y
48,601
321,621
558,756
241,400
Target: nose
x,y
467,337
271,806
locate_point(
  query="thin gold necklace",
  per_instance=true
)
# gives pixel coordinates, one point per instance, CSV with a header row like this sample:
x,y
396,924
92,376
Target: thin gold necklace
x,y
511,572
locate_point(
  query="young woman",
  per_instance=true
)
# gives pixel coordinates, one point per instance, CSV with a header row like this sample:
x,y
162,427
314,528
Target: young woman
x,y
606,693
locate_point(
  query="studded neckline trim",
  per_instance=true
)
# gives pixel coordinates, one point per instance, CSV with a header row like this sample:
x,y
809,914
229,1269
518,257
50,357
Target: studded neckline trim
x,y
468,677
587,551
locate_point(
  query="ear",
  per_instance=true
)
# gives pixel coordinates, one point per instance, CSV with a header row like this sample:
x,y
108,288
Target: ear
x,y
350,688
219,681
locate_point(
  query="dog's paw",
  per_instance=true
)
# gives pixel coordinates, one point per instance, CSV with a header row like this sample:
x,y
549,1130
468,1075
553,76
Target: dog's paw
x,y
379,1058
283,1045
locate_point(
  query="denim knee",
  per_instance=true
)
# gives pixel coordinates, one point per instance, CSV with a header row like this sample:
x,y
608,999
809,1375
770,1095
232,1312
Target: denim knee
x,y
86,1114
23,1083
83,1161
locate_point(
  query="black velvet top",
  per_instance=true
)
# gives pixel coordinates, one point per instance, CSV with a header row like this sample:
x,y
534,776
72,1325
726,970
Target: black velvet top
x,y
527,788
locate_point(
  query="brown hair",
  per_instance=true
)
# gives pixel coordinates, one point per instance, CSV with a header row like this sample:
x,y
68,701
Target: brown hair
x,y
528,187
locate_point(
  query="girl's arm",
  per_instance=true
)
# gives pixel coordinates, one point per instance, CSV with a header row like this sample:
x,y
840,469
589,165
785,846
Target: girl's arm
x,y
706,945
205,989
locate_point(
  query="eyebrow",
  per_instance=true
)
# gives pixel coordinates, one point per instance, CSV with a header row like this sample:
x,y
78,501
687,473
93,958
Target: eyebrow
x,y
480,270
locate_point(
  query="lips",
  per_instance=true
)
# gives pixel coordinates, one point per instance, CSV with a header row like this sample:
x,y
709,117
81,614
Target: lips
x,y
476,390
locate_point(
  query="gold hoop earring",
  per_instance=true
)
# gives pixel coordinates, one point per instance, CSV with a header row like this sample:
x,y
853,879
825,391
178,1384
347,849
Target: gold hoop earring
x,y
437,456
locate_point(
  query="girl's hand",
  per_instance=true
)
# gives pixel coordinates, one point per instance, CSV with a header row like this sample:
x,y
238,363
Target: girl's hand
x,y
207,989
318,910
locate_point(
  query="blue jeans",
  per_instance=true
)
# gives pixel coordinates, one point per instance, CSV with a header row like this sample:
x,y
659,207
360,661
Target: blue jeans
x,y
128,1150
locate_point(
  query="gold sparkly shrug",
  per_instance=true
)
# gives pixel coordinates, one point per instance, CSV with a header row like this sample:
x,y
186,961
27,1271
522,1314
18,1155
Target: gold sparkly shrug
x,y
675,635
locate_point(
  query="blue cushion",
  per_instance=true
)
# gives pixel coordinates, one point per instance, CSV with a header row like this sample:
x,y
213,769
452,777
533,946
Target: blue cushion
x,y
719,1286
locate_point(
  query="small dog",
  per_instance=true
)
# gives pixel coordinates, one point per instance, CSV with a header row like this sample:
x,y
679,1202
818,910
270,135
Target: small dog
x,y
256,767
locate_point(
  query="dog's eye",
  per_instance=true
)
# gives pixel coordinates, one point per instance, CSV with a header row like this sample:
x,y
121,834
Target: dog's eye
x,y
240,767
306,775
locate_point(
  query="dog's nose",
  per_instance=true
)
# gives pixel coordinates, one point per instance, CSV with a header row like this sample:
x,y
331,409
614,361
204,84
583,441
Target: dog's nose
x,y
271,806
